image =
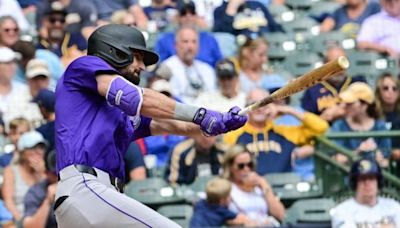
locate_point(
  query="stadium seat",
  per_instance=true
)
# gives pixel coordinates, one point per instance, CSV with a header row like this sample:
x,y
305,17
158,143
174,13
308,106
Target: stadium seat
x,y
152,192
323,7
299,4
370,64
310,211
227,43
320,43
303,28
289,187
302,62
179,213
281,13
280,45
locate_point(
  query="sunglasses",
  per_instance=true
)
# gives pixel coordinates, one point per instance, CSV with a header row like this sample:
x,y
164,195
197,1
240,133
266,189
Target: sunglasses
x,y
387,88
241,166
7,30
53,20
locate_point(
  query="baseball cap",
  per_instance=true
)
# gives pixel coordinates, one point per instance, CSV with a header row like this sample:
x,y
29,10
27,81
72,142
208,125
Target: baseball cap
x,y
37,67
30,139
358,91
226,69
272,82
162,86
56,7
46,98
7,55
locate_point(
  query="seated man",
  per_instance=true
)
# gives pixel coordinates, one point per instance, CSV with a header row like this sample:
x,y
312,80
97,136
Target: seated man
x,y
197,156
366,208
272,143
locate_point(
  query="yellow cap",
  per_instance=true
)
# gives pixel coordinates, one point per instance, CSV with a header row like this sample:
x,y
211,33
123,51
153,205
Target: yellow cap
x,y
358,91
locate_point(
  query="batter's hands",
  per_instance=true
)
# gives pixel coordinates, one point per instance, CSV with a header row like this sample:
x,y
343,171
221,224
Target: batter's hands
x,y
215,123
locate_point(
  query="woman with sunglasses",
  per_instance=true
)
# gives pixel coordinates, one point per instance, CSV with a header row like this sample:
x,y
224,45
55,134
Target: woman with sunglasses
x,y
251,194
388,101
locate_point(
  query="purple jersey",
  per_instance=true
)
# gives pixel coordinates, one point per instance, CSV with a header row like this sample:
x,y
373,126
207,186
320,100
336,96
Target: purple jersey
x,y
89,131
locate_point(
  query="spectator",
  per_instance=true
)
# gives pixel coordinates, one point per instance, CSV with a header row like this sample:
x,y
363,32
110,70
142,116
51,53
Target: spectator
x,y
323,98
81,15
106,8
29,170
388,101
39,200
134,164
361,116
205,9
16,128
273,144
214,212
198,156
123,17
374,34
11,7
28,52
161,13
66,45
208,51
253,55
46,99
302,159
350,16
250,18
38,76
366,208
251,194
228,94
190,76
14,96
9,31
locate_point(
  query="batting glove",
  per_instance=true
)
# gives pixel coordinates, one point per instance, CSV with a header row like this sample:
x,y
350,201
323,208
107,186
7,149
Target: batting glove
x,y
215,123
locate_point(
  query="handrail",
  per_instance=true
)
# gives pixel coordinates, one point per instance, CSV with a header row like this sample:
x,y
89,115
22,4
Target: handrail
x,y
375,134
324,140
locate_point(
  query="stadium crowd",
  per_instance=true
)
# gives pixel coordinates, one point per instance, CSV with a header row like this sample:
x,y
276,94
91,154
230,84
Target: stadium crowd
x,y
215,54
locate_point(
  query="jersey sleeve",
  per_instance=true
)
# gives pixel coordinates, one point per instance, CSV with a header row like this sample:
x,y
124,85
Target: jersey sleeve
x,y
81,74
142,127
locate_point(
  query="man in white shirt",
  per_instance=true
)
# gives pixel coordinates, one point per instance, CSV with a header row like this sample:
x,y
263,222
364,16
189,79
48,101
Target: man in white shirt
x,y
228,94
15,98
189,77
366,208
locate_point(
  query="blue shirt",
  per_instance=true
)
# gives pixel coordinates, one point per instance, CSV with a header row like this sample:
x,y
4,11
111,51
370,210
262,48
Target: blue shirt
x,y
351,26
208,215
249,11
34,199
323,95
160,145
208,52
384,144
88,130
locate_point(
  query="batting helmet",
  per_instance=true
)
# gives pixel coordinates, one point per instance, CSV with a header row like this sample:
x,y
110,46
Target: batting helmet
x,y
365,167
115,43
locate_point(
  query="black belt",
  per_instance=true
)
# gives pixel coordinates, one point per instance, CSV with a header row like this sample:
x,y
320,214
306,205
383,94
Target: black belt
x,y
115,181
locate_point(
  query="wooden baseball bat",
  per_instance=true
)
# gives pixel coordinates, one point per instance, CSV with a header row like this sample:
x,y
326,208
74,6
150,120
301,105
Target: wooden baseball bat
x,y
305,81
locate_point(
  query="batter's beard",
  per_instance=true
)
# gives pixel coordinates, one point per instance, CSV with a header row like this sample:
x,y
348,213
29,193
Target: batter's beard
x,y
130,75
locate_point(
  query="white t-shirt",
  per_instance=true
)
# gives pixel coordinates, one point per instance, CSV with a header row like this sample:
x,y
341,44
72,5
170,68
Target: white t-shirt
x,y
188,82
251,204
218,102
351,214
18,103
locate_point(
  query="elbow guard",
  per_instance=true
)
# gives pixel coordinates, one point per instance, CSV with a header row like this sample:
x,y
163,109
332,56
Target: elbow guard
x,y
125,95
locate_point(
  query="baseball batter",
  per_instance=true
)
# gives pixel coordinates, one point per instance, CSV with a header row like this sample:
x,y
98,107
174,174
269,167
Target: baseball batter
x,y
100,110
